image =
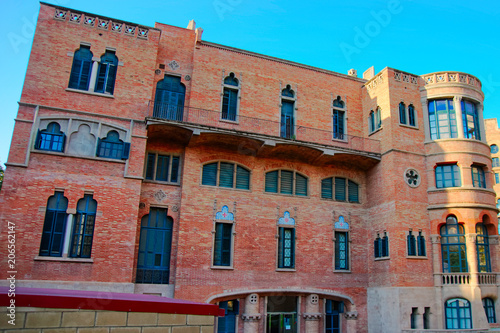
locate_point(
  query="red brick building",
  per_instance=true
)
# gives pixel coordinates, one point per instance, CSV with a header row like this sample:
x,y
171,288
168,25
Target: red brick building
x,y
147,160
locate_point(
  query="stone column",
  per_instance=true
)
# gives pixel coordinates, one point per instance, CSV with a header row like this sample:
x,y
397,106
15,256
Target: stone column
x,y
470,241
436,262
351,317
457,105
425,114
251,317
67,234
93,75
480,119
312,314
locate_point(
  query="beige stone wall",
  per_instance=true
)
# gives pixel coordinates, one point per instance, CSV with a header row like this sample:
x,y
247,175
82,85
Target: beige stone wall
x,y
40,320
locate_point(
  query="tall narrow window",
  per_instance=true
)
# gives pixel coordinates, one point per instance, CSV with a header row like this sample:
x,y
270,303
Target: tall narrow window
x,y
54,226
333,312
286,182
341,250
478,179
169,99
286,247
402,113
224,174
453,250
287,113
51,139
164,168
414,318
470,120
223,244
375,120
83,227
489,309
483,249
81,69
458,313
339,119
497,178
447,176
155,244
381,246
442,119
106,73
412,244
230,98
421,245
496,162
412,117
227,324
112,147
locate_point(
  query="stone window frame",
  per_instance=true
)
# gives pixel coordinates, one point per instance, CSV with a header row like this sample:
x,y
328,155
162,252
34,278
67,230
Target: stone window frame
x,y
171,155
280,225
238,88
233,236
383,239
344,120
67,126
96,61
407,115
349,250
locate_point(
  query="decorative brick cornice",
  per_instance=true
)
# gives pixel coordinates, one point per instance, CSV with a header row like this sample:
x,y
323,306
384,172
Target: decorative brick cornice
x,y
312,316
251,316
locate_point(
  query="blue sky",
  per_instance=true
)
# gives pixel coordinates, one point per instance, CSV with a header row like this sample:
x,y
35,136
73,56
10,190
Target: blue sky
x,y
419,37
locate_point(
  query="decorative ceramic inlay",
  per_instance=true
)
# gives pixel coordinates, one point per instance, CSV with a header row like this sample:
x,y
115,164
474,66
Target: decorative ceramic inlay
x,y
224,214
174,65
341,224
187,77
175,209
286,219
412,177
160,195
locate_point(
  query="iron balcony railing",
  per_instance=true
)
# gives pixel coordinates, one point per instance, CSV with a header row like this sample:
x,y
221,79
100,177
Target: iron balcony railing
x,y
286,129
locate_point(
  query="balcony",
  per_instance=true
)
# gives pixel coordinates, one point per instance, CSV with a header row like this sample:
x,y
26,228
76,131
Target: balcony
x,y
262,129
445,330
456,279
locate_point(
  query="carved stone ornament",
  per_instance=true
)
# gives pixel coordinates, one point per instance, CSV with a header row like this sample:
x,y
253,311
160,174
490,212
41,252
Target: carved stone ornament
x,y
160,195
175,209
351,315
75,17
412,177
143,33
60,14
312,316
103,24
251,316
174,65
89,20
253,299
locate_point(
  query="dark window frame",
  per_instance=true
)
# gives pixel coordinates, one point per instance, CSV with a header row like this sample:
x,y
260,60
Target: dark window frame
x,y
478,176
287,112
440,172
173,169
457,316
82,235
281,181
230,98
483,249
437,125
342,250
453,237
52,239
106,73
51,138
489,309
241,177
381,246
223,244
112,147
286,233
350,192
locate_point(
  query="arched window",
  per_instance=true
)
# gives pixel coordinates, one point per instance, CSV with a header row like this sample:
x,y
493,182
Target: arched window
x,y
286,182
335,187
287,113
112,147
489,309
155,245
81,68
402,113
169,98
483,249
83,227
230,98
412,119
442,119
458,313
54,226
470,120
338,119
106,74
225,174
453,249
51,139
375,120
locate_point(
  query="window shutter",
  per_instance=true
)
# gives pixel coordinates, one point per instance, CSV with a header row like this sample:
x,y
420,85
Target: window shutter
x,y
385,246
340,189
150,165
126,150
38,139
326,188
63,142
286,182
226,175
162,165
242,178
271,182
300,185
174,176
353,191
101,77
209,174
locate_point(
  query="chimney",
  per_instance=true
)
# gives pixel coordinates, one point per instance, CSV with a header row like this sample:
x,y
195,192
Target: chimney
x,y
352,72
369,73
191,25
199,32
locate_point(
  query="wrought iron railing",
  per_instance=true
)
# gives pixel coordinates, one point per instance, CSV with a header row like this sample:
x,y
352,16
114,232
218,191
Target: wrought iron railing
x,y
286,130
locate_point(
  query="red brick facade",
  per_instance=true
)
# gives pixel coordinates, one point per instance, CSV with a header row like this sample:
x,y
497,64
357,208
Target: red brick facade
x,y
378,294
